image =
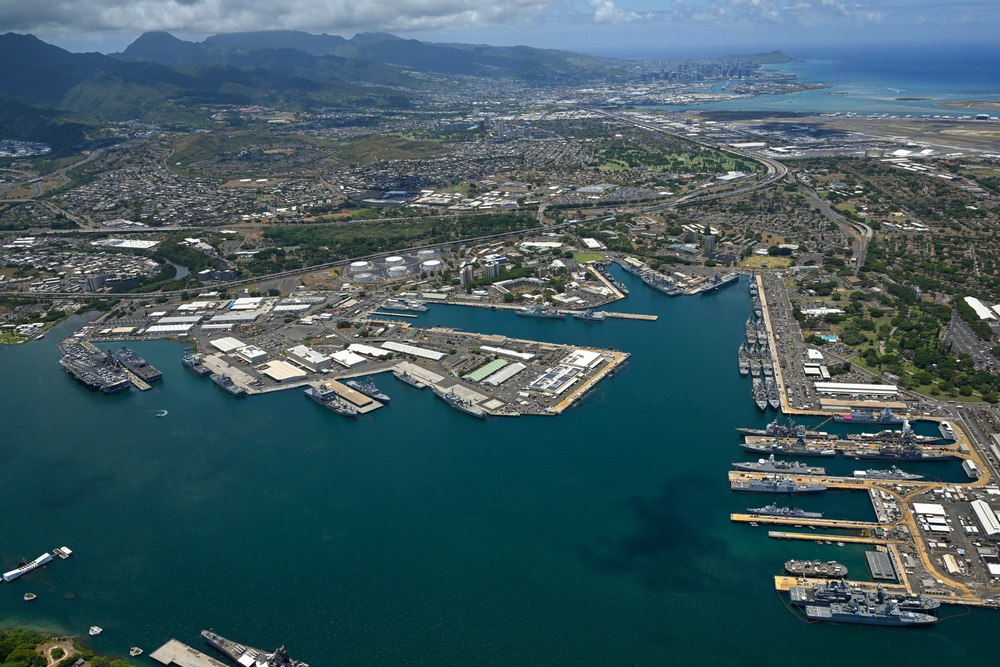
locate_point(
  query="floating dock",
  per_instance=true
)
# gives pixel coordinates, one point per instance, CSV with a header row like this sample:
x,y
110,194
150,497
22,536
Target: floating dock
x,y
182,655
363,404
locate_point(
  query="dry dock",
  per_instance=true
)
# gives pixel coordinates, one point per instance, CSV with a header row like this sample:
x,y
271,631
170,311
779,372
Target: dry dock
x,y
182,655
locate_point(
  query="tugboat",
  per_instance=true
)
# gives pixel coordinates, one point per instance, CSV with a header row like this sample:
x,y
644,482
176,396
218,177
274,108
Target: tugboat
x,y
368,388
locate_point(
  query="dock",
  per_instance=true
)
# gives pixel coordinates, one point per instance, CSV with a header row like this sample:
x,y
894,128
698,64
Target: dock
x,y
182,655
409,315
604,281
363,404
815,537
784,582
843,524
137,381
631,316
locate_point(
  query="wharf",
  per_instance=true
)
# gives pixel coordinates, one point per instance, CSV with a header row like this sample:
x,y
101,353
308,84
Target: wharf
x,y
632,316
813,537
136,381
182,655
784,582
854,483
619,359
607,283
409,315
799,521
376,320
363,404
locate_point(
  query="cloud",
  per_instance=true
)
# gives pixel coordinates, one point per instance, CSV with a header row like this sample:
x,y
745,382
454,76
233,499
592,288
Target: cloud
x,y
605,11
204,16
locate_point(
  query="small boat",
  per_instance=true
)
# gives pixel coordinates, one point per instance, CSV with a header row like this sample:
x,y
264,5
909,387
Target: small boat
x,y
95,630
135,651
28,597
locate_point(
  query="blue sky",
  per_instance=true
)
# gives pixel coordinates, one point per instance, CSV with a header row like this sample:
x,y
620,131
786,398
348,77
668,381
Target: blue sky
x,y
670,27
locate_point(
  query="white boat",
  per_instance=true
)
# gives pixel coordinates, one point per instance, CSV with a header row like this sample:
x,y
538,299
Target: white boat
x,y
28,597
135,651
95,630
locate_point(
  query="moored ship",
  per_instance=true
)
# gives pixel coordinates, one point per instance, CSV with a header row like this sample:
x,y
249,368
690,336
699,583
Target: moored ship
x,y
787,512
790,430
93,368
329,399
884,416
826,593
193,364
885,614
539,310
717,282
775,484
590,316
830,569
128,358
786,448
406,378
368,388
759,393
226,384
773,465
249,656
892,473
460,404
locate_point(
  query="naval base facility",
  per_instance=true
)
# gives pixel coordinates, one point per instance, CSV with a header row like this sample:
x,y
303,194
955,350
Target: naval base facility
x,y
935,540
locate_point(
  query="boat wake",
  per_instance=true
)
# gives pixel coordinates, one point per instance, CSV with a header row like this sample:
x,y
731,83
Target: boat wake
x,y
162,413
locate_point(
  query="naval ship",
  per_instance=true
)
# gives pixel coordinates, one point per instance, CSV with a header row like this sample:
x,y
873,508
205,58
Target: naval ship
x,y
867,614
830,569
892,473
717,282
759,393
249,656
93,368
226,384
744,359
460,404
328,399
826,593
406,378
770,464
773,395
785,448
539,310
368,388
775,484
193,364
884,416
787,512
590,316
127,357
791,430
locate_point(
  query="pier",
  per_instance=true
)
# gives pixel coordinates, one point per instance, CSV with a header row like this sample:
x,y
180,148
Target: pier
x,y
182,655
798,522
814,537
607,283
632,316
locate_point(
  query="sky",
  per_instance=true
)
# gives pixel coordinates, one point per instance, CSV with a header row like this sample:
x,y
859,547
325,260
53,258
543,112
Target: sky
x,y
606,27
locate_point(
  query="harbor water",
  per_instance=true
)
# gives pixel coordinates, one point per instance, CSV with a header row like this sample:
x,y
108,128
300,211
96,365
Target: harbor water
x,y
421,535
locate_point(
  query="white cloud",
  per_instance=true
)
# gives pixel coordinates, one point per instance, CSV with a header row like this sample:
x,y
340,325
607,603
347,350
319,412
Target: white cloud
x,y
605,11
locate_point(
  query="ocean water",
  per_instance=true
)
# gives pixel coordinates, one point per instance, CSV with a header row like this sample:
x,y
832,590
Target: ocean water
x,y
873,79
422,536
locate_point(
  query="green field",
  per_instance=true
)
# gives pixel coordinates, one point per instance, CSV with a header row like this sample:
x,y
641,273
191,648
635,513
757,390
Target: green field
x,y
378,147
585,257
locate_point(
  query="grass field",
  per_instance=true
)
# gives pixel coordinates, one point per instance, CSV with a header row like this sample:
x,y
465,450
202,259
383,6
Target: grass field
x,y
585,257
372,148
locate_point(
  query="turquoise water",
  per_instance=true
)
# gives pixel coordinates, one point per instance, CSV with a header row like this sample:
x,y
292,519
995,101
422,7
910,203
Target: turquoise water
x,y
422,536
871,80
